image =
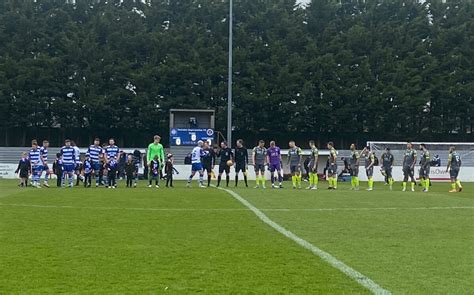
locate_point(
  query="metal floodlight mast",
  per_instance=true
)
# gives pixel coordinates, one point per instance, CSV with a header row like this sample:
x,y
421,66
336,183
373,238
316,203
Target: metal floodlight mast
x,y
229,80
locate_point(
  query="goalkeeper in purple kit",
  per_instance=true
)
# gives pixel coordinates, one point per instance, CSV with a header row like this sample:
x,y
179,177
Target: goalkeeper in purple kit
x,y
274,163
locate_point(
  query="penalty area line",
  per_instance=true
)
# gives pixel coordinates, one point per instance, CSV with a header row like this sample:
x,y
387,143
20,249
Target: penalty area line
x,y
333,261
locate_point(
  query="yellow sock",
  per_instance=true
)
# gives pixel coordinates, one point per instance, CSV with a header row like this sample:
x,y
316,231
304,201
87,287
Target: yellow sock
x,y
311,179
353,181
258,179
357,181
334,179
371,183
293,180
404,185
330,181
298,179
453,185
427,184
412,185
458,182
315,179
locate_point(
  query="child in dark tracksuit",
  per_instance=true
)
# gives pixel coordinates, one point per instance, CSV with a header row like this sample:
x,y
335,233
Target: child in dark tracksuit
x,y
169,170
23,170
58,169
112,172
130,169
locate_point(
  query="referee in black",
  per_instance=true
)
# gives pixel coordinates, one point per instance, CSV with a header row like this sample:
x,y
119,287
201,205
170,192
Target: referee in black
x,y
225,153
241,161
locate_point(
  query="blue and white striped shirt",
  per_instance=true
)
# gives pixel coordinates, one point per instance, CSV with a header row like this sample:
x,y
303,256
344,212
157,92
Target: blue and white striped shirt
x,y
35,157
94,152
112,151
44,153
68,154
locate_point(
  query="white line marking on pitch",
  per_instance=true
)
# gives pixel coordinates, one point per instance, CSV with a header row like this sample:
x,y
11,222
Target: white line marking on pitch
x,y
350,272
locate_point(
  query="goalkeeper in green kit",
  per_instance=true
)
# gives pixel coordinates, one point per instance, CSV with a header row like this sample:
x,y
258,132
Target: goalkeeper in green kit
x,y
156,149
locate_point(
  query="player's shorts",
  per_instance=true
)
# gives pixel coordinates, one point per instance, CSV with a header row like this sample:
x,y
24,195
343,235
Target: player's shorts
x,y
68,168
408,171
224,167
425,172
311,169
96,167
37,169
295,169
24,173
355,171
454,173
332,169
259,168
240,167
274,167
207,167
369,172
196,167
387,170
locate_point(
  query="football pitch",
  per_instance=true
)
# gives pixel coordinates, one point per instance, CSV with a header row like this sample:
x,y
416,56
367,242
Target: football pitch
x,y
211,241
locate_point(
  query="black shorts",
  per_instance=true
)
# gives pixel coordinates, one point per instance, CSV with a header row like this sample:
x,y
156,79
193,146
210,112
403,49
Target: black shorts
x,y
425,172
259,168
23,173
312,169
355,171
387,171
207,167
240,167
369,172
332,169
295,169
454,173
224,167
408,171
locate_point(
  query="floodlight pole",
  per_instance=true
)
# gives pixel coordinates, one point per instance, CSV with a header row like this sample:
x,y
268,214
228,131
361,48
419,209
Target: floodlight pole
x,y
229,79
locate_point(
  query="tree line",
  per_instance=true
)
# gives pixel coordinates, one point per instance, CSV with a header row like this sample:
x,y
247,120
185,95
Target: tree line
x,y
341,70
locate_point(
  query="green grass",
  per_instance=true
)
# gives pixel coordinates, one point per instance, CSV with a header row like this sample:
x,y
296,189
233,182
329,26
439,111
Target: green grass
x,y
175,241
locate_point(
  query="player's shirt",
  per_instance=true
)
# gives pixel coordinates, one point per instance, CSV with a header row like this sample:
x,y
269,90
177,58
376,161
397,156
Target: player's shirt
x,y
274,155
241,156
44,154
369,158
225,155
314,154
354,160
387,159
410,155
425,159
112,151
333,156
294,156
35,157
196,155
260,155
455,159
94,152
77,154
68,155
209,157
87,165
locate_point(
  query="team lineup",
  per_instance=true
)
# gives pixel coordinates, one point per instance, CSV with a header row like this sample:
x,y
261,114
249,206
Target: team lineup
x,y
107,163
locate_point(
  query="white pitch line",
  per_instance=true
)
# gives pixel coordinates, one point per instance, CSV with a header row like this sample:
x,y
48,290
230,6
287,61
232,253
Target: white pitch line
x,y
336,263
